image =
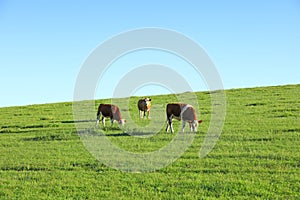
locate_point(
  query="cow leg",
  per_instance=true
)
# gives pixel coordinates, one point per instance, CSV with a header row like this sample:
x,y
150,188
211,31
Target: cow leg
x,y
112,121
192,126
169,124
98,118
148,116
141,114
183,125
168,127
103,121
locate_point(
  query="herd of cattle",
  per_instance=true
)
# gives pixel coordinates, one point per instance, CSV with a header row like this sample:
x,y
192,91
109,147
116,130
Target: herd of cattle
x,y
179,111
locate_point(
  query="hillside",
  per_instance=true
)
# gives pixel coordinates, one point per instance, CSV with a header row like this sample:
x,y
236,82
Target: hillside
x,y
256,156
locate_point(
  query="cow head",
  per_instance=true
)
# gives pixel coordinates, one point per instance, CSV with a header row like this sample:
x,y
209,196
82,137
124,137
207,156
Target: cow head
x,y
122,122
194,125
148,103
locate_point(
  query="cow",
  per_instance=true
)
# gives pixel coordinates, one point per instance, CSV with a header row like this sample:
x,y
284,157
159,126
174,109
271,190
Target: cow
x,y
144,105
183,112
109,111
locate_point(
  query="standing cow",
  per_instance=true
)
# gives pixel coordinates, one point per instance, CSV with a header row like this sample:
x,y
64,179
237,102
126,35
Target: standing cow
x,y
183,112
109,111
144,105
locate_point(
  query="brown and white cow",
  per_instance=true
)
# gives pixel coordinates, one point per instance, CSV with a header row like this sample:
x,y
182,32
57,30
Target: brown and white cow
x,y
144,105
183,112
109,111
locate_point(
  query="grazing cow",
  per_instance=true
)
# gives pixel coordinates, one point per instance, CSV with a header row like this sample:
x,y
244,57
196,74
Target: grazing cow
x,y
183,112
144,105
111,111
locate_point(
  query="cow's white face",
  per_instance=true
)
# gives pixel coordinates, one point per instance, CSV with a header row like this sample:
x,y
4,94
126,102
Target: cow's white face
x,y
148,103
194,125
122,122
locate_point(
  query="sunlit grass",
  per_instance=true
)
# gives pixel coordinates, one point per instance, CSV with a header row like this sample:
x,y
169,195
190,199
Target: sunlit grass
x,y
256,156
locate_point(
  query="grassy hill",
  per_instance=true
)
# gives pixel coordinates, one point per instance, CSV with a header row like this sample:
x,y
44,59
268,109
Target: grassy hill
x,y
256,156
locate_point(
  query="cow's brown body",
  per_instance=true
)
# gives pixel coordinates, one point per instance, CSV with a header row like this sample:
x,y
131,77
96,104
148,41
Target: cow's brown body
x,y
144,105
183,112
109,111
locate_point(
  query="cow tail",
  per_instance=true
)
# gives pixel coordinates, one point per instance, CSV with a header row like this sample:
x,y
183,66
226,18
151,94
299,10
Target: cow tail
x,y
98,112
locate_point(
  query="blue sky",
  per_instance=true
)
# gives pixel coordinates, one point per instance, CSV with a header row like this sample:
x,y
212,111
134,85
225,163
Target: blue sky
x,y
43,44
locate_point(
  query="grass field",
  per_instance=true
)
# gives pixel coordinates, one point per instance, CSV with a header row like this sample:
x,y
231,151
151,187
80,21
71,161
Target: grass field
x,y
256,157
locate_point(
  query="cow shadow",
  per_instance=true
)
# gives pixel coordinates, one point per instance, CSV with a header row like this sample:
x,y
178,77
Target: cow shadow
x,y
117,134
130,134
75,121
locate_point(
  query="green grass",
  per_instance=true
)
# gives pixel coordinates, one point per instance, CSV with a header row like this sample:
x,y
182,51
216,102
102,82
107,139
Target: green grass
x,y
256,157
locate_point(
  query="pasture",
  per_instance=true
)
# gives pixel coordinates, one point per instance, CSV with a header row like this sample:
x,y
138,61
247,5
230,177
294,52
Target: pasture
x,y
256,157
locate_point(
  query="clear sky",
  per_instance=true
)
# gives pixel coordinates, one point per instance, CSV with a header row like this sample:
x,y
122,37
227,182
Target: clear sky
x,y
43,44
